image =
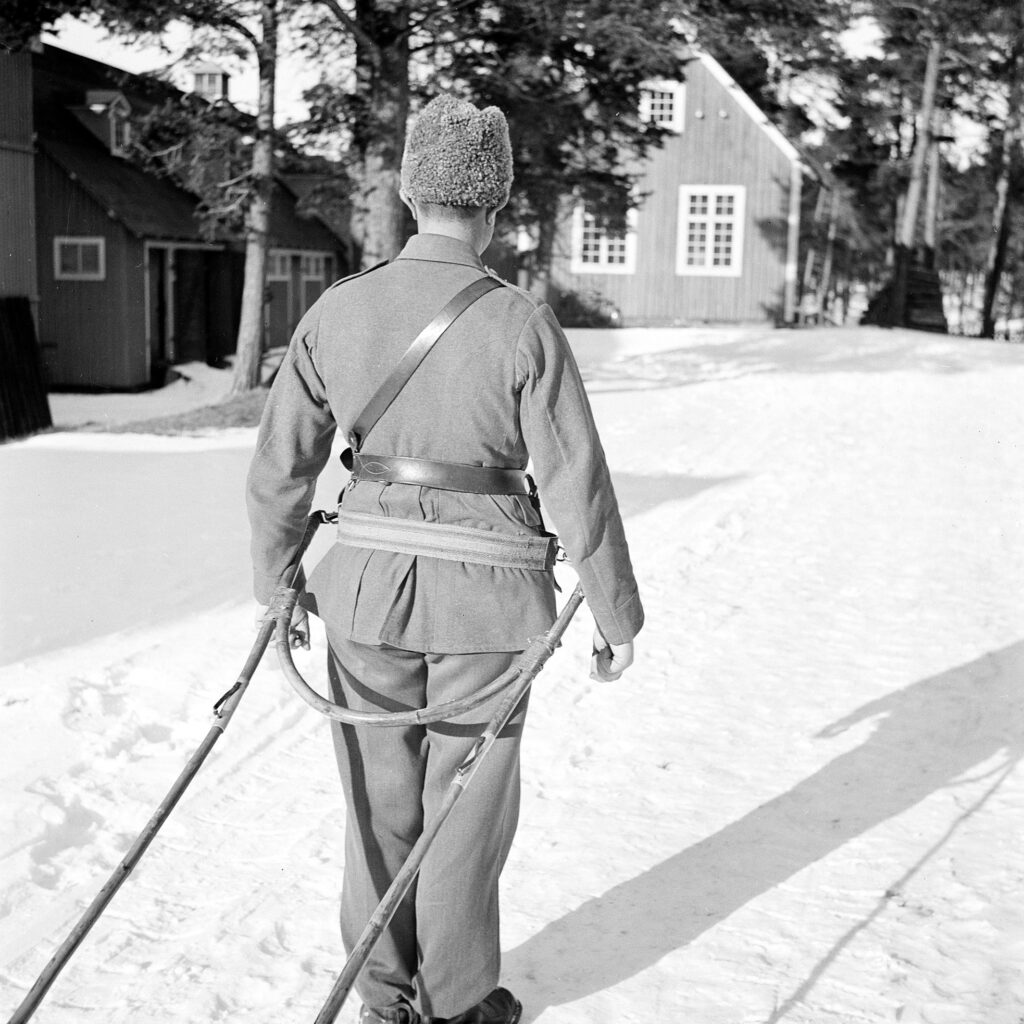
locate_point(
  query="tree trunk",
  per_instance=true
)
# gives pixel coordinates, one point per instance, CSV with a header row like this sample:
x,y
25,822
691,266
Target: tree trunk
x,y
995,260
830,246
382,76
249,349
931,204
907,234
908,226
547,227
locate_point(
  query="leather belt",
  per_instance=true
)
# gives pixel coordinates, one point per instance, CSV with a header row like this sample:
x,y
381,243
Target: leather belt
x,y
445,476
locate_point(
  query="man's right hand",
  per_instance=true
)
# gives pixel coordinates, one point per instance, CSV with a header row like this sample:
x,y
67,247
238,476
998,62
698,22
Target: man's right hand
x,y
298,631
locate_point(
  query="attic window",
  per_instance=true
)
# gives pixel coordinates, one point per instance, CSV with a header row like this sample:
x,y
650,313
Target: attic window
x,y
663,104
211,84
111,104
120,131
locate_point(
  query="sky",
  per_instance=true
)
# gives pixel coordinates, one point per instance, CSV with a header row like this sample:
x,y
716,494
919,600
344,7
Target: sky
x,y
91,40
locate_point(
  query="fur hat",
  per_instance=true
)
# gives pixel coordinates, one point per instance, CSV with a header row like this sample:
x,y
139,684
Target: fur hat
x,y
457,155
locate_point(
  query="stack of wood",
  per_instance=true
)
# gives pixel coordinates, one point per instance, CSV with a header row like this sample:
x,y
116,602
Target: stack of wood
x,y
923,308
24,408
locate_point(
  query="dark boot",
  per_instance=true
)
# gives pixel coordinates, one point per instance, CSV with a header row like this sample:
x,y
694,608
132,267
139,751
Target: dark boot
x,y
500,1007
396,1013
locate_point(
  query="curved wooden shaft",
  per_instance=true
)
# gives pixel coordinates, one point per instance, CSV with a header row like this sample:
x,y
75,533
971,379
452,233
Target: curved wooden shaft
x,y
284,602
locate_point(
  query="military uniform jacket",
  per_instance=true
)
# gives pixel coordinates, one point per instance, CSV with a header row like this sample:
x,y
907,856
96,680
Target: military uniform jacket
x,y
500,388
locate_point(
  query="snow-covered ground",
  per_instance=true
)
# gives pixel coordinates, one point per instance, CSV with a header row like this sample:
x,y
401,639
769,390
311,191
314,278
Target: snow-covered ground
x,y
804,803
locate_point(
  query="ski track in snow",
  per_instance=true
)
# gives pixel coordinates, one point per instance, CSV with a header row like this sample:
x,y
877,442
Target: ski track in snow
x,y
803,803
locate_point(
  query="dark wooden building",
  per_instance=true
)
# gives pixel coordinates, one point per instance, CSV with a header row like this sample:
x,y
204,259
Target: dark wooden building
x,y
17,178
715,238
127,284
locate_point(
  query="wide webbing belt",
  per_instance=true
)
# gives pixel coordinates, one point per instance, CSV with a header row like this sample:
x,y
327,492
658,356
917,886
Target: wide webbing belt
x,y
445,476
440,540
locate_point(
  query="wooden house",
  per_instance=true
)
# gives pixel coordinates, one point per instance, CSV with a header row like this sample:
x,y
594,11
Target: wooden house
x,y
23,404
127,283
715,236
17,177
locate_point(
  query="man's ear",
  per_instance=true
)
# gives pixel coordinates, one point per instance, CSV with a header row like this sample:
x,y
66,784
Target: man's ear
x,y
411,203
491,215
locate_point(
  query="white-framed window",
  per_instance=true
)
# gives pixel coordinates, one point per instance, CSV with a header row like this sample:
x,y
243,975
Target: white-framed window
x,y
597,250
120,131
663,104
312,266
211,85
79,259
710,242
279,266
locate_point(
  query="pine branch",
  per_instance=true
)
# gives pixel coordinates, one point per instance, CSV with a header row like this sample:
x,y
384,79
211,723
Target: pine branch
x,y
352,26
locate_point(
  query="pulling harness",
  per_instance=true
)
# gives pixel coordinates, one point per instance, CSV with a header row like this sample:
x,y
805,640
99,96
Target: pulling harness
x,y
418,537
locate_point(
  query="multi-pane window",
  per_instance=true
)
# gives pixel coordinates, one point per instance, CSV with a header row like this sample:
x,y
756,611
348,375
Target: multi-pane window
x,y
661,104
210,85
79,259
601,246
598,249
710,230
312,266
279,266
120,132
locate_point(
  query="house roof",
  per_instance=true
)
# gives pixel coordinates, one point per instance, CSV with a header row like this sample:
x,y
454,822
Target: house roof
x,y
290,230
148,205
747,105
207,67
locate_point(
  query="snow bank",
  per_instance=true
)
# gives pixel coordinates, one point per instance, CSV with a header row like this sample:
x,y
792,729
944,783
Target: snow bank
x,y
803,804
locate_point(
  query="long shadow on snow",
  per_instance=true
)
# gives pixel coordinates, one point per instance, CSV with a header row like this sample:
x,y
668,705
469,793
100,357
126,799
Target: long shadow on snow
x,y
640,492
927,736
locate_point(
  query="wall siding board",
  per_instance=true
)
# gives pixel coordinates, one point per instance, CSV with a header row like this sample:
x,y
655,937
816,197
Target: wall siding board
x,y
730,150
17,179
87,329
17,205
132,281
16,89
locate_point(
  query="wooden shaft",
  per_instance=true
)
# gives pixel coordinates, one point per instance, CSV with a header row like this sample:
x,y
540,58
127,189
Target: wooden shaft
x,y
223,710
121,872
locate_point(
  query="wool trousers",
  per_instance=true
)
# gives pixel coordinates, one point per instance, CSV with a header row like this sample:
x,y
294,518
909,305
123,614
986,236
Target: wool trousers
x,y
441,951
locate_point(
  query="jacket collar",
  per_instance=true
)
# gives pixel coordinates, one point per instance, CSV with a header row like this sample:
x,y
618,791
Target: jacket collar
x,y
440,249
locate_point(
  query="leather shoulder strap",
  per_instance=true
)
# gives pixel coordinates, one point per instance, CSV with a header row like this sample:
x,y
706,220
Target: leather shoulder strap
x,y
415,354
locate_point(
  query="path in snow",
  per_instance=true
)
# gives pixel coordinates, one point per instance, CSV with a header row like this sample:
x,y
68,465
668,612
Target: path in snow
x,y
803,804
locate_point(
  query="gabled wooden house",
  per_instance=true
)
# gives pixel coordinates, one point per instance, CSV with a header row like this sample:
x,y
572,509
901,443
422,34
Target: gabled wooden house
x,y
127,284
715,236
